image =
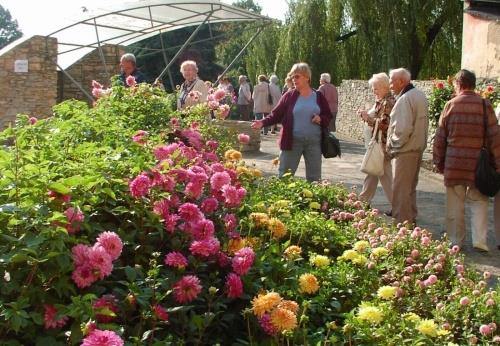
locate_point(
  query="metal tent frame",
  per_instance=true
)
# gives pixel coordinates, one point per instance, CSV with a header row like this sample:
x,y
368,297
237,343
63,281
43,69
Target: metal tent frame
x,y
133,21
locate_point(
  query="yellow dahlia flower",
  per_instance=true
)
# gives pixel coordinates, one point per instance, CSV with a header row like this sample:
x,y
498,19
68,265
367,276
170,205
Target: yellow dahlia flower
x,y
283,319
259,219
349,255
387,292
411,316
236,244
292,252
319,261
265,302
277,228
314,205
289,305
370,314
361,260
361,246
308,283
380,252
427,327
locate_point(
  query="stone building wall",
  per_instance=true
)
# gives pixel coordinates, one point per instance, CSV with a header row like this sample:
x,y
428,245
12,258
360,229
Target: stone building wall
x,y
88,68
32,89
356,94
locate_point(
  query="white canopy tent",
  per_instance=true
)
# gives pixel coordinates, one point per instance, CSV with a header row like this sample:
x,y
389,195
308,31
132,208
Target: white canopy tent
x,y
133,21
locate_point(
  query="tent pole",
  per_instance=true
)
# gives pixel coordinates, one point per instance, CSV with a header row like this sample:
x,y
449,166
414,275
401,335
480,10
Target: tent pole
x,y
85,92
100,50
239,54
183,47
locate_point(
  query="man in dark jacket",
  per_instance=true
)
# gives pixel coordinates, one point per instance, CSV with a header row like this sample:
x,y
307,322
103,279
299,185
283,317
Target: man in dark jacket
x,y
128,68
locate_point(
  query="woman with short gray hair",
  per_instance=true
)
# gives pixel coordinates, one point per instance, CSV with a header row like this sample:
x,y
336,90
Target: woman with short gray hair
x,y
193,91
380,111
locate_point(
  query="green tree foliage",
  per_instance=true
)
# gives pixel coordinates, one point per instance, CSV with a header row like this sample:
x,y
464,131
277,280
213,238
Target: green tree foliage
x,y
9,31
411,33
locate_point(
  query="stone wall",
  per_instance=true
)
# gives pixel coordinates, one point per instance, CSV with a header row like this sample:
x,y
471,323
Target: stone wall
x,y
89,68
236,127
32,89
355,94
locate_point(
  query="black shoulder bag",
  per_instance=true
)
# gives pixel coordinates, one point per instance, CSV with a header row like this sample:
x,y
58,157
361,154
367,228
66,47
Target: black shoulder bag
x,y
487,179
330,145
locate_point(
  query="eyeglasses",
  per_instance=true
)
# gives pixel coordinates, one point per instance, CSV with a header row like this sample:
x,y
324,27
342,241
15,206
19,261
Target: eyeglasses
x,y
296,76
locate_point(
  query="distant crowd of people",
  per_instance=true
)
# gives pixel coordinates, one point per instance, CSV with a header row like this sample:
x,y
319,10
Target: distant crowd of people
x,y
400,111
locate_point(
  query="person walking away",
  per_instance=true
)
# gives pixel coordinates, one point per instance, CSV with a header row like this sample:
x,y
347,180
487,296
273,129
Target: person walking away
x,y
406,142
496,205
331,94
261,106
244,99
276,95
193,89
456,148
381,110
303,112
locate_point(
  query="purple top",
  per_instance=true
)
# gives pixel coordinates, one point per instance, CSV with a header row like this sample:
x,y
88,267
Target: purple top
x,y
283,113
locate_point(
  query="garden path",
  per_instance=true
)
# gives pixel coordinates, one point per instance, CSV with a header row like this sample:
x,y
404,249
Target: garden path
x,y
430,194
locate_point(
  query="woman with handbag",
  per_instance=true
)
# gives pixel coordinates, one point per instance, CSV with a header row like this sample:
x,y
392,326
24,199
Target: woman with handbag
x,y
377,120
303,112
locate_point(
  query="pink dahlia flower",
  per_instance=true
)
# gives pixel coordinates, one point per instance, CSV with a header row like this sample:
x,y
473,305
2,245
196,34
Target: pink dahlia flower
x,y
171,222
267,325
209,205
131,81
230,223
140,186
162,152
190,212
160,312
219,179
233,195
205,248
80,254
176,259
105,308
212,144
75,217
83,276
243,260
187,289
112,243
243,138
234,286
204,229
100,260
102,338
50,317
219,94
140,137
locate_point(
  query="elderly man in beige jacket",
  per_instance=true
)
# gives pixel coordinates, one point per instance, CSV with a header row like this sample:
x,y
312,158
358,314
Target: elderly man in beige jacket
x,y
406,142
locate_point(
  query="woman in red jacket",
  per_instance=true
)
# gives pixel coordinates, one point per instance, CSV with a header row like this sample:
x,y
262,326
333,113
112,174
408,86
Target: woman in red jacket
x,y
302,112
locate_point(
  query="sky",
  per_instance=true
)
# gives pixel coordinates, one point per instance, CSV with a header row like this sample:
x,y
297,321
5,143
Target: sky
x,y
44,17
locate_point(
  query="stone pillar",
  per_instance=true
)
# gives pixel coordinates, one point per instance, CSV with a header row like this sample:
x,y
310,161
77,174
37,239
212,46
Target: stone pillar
x,y
29,78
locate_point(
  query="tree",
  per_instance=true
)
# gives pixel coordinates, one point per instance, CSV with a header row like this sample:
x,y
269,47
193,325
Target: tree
x,y
9,31
407,33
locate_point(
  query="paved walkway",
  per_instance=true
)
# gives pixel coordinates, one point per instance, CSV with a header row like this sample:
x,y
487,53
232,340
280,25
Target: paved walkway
x,y
430,193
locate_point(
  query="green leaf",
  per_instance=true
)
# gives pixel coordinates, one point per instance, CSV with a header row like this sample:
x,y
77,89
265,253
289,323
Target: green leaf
x,y
131,273
109,192
60,188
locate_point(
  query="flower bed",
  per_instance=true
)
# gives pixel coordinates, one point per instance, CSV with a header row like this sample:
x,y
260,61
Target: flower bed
x,y
128,223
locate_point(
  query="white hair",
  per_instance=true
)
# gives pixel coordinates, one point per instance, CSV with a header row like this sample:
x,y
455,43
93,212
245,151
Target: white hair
x,y
242,78
325,77
400,73
189,63
274,79
128,57
381,79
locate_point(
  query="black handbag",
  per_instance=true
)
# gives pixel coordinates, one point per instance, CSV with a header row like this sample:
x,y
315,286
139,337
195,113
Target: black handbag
x,y
487,179
330,145
269,96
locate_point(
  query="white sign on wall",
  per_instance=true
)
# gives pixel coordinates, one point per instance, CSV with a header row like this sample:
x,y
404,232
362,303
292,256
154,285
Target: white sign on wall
x,y
21,66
